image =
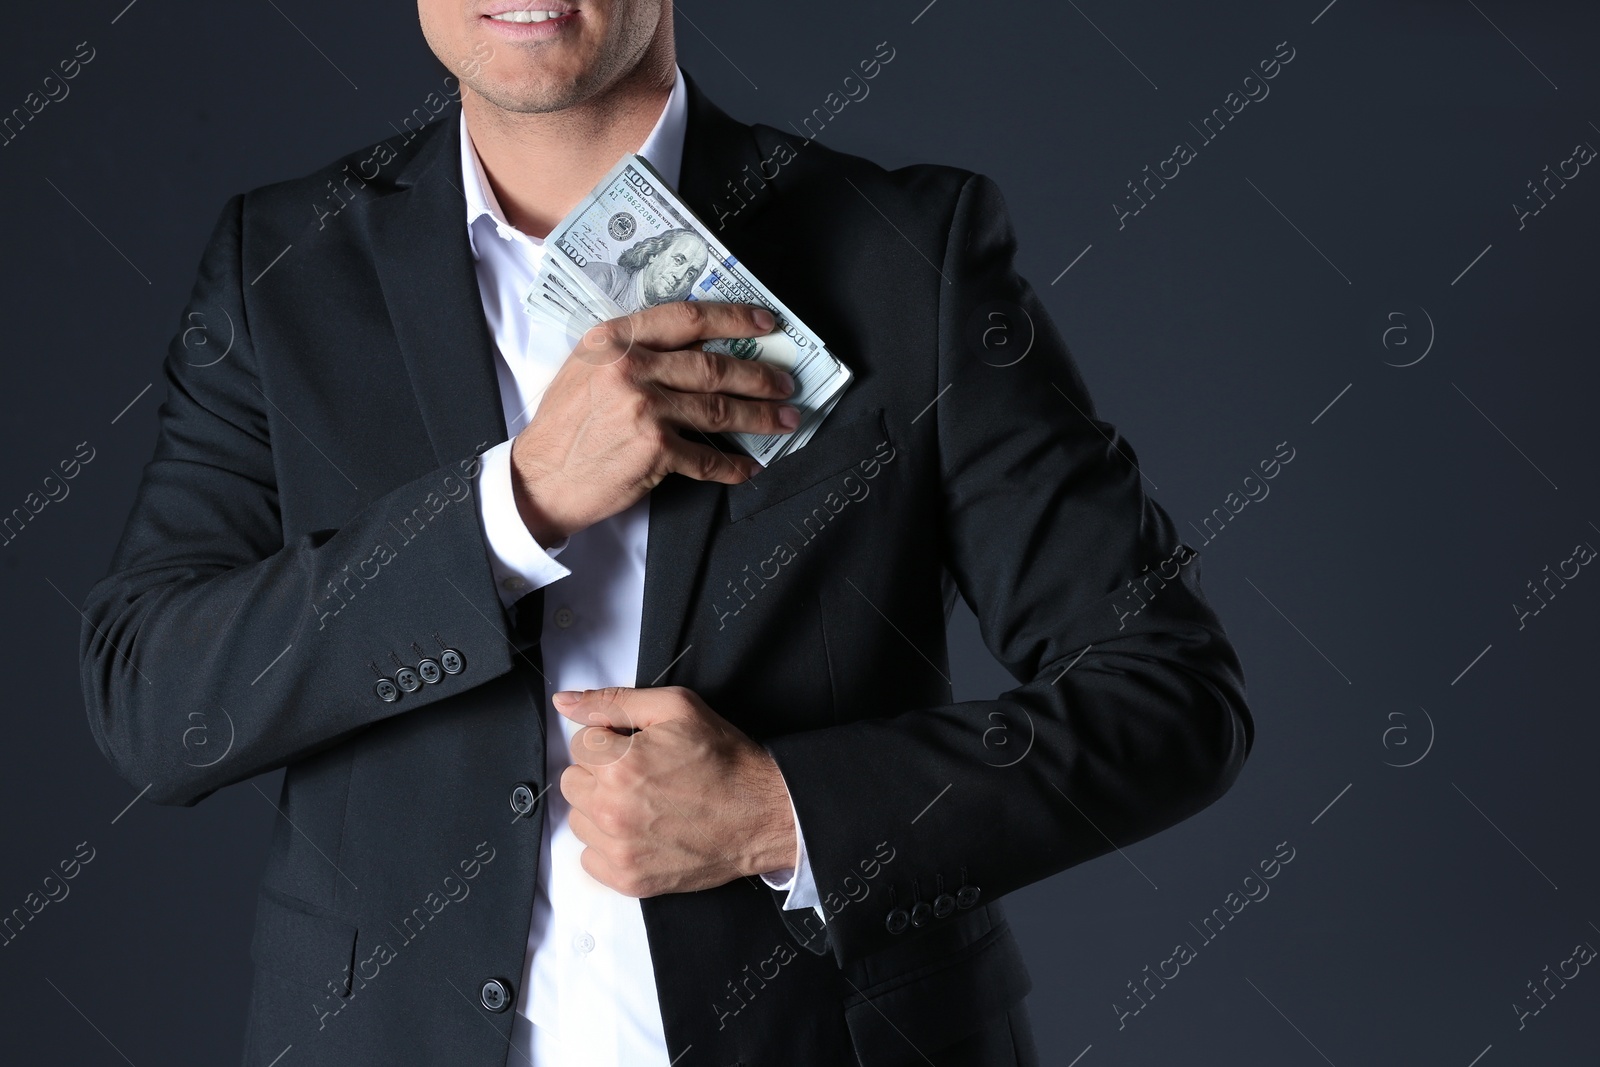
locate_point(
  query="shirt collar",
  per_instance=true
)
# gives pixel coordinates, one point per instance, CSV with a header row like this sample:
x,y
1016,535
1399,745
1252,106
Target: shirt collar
x,y
663,149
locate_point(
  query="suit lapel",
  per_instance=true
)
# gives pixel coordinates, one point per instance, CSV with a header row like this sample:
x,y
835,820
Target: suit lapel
x,y
424,263
430,286
682,510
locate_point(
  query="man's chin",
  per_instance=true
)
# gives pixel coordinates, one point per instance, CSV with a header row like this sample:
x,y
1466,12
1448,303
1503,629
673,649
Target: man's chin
x,y
533,96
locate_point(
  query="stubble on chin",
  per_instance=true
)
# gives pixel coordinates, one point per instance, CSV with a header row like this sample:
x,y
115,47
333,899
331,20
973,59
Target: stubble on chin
x,y
548,91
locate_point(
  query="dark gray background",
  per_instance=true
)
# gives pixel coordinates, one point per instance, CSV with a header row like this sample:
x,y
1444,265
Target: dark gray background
x,y
1218,323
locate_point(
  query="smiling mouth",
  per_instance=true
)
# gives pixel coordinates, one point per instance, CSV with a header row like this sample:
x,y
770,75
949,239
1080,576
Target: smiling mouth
x,y
525,17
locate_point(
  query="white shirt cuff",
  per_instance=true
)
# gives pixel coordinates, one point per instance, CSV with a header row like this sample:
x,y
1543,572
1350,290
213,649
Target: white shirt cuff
x,y
797,881
518,562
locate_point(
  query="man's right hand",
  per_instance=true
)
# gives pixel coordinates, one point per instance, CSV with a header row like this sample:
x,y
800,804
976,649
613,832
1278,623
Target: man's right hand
x,y
607,429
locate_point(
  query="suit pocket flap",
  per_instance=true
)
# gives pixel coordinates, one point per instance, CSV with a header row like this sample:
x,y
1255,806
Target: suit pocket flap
x,y
899,1020
834,447
293,941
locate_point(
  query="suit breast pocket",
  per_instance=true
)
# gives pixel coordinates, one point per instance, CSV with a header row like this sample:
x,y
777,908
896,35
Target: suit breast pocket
x,y
836,447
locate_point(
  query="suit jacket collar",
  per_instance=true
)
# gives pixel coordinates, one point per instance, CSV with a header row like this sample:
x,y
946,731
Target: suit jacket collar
x,y
663,148
682,511
425,267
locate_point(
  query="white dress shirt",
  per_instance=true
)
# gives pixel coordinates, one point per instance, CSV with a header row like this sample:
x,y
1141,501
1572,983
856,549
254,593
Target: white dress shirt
x,y
588,992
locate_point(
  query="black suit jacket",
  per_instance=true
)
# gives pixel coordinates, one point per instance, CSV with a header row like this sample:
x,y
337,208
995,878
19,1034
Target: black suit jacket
x,y
307,525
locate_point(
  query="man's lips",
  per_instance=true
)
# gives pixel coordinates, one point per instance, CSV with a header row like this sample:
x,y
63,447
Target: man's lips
x,y
502,7
530,18
531,23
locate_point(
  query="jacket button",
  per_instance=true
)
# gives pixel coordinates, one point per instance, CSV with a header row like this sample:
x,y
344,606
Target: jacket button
x,y
897,921
523,799
407,679
428,670
943,905
921,912
452,661
967,896
495,995
387,691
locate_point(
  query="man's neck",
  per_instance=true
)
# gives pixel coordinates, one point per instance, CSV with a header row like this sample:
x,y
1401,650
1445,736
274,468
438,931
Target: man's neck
x,y
541,165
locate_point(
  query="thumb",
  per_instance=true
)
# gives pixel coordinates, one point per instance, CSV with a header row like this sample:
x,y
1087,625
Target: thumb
x,y
626,710
616,707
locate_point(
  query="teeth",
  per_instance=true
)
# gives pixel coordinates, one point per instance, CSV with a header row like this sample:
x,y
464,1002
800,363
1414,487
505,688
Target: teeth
x,y
527,16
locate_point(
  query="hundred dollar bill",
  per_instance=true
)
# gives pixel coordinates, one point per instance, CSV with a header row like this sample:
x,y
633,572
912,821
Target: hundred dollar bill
x,y
631,244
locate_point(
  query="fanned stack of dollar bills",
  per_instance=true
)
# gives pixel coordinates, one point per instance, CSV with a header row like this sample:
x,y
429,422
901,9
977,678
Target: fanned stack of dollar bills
x,y
631,244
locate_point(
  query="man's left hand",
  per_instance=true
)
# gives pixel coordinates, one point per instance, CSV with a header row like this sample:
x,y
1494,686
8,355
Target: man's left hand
x,y
668,796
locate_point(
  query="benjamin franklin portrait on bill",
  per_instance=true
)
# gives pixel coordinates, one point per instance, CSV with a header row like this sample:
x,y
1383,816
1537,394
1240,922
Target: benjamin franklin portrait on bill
x,y
656,270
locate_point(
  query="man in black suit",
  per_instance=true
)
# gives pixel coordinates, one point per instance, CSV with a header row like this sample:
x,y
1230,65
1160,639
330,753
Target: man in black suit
x,y
305,581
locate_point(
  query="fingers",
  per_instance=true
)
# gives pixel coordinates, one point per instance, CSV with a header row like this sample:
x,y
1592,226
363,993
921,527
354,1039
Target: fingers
x,y
584,828
595,748
600,846
684,323
720,413
705,464
577,785
601,870
694,371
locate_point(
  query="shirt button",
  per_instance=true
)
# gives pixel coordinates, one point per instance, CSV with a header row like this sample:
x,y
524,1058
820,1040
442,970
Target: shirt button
x,y
583,943
564,617
514,582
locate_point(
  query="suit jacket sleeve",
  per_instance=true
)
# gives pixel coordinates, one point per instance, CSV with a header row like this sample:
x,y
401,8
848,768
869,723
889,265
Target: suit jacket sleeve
x,y
214,634
1045,525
